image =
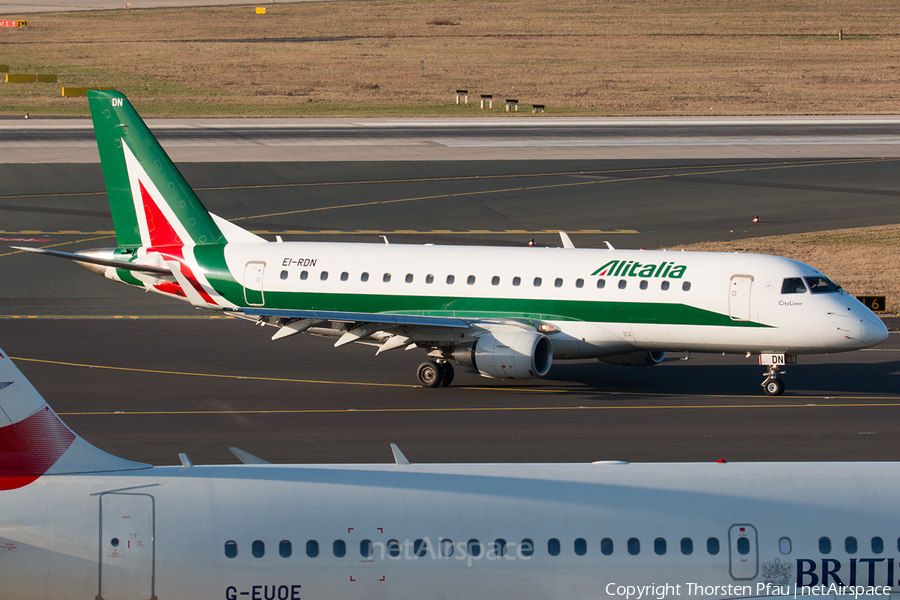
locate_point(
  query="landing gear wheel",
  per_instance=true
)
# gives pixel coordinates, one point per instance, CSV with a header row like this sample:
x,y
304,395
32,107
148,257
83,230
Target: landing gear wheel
x,y
430,374
447,369
773,387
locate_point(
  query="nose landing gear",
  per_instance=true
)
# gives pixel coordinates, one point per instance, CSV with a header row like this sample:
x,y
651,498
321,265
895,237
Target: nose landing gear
x,y
772,385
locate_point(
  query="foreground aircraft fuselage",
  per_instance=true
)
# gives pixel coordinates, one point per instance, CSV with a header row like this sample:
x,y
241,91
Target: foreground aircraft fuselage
x,y
77,523
507,312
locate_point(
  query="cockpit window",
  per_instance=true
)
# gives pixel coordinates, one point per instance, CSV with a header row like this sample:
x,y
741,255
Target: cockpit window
x,y
793,285
822,285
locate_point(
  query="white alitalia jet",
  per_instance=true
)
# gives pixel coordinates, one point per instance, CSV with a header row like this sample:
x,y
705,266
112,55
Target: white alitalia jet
x,y
507,312
77,523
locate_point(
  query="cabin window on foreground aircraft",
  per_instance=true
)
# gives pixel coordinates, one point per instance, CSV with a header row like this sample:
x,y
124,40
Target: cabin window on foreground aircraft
x,y
283,275
365,549
622,284
606,546
345,276
553,547
446,548
793,285
285,549
386,278
339,548
258,549
634,546
429,278
323,276
393,548
526,547
471,280
686,286
659,546
664,285
784,545
579,283
304,275
420,548
712,545
687,546
409,278
558,283
850,545
644,284
580,547
312,548
495,280
450,279
601,283
230,549
877,545
824,545
474,548
517,281
364,277
537,282
500,547
822,285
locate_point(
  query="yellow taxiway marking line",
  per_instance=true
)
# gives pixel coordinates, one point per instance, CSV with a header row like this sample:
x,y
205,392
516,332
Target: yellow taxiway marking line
x,y
802,401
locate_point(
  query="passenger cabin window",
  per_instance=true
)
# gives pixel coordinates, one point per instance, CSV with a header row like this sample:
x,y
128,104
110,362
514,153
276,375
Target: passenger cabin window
x,y
365,548
312,548
822,285
393,548
429,278
364,277
644,284
284,275
258,549
386,278
664,285
495,280
230,549
345,276
580,547
686,286
323,276
623,284
339,548
537,282
824,545
517,281
793,285
558,283
553,547
420,548
659,546
447,548
601,283
500,547
877,545
606,546
687,546
712,545
450,279
285,549
304,275
850,545
784,545
471,280
634,546
579,283
409,278
526,547
473,548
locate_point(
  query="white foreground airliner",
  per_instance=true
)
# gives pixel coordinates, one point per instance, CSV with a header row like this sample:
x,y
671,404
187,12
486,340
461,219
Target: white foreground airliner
x,y
79,524
507,312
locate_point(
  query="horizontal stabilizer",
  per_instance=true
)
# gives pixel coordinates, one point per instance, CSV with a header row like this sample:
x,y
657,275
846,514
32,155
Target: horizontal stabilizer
x,y
352,317
118,264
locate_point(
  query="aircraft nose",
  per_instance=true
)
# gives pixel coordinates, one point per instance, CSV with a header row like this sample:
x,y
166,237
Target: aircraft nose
x,y
874,331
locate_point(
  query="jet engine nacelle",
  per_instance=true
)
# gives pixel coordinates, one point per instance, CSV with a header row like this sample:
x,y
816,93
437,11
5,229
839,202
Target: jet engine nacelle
x,y
641,358
507,354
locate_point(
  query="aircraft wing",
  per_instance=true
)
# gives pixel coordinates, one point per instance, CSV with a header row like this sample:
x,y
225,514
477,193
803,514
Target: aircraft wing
x,y
118,264
352,317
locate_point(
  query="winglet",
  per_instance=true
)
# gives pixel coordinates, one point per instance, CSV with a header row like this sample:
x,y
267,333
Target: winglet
x,y
247,458
399,459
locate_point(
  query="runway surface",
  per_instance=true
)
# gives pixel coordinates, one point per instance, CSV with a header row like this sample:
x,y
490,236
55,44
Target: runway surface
x,y
169,381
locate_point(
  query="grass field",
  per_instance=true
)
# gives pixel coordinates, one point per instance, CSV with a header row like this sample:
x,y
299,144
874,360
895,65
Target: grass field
x,y
864,261
406,57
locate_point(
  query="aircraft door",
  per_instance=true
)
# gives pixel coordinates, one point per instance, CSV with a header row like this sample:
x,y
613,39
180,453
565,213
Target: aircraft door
x,y
127,554
739,297
253,283
743,553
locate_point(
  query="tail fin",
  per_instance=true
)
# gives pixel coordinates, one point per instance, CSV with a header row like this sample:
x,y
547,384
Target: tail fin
x,y
152,205
35,442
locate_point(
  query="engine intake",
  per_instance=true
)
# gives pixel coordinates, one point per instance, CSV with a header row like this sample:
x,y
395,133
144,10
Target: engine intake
x,y
641,358
507,354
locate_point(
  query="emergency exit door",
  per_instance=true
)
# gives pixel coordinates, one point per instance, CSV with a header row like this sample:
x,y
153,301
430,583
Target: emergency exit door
x,y
127,554
253,283
743,553
739,297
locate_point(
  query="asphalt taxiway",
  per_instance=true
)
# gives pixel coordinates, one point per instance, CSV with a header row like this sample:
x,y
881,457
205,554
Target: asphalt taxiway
x,y
147,378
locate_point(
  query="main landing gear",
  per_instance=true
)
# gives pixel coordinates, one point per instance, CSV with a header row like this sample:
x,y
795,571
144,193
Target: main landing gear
x,y
433,374
772,385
